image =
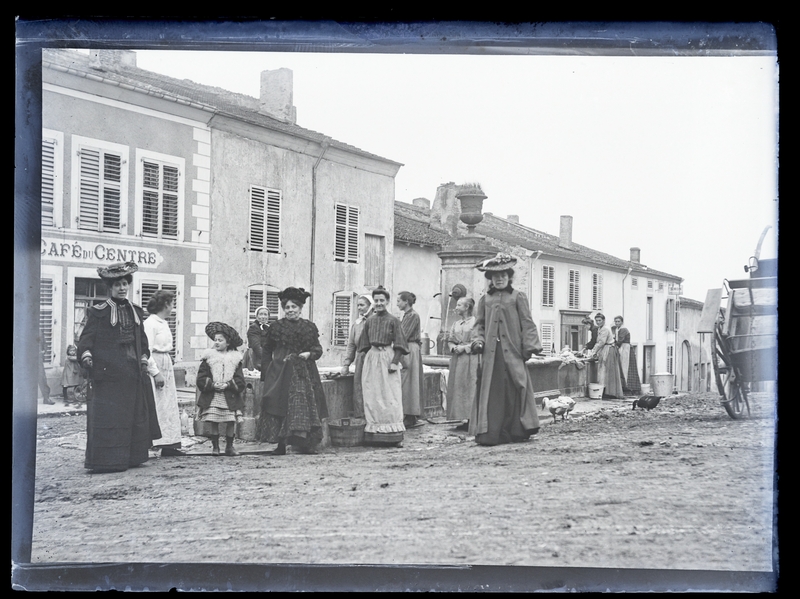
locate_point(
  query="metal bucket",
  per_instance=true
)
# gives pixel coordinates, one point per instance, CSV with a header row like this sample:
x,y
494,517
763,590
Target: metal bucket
x,y
645,389
596,391
662,384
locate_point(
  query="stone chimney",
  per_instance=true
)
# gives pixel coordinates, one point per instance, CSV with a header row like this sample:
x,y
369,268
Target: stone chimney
x,y
101,59
513,218
636,255
277,95
422,203
565,233
445,209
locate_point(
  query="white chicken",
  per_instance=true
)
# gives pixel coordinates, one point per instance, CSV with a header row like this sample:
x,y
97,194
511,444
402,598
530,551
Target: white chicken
x,y
559,406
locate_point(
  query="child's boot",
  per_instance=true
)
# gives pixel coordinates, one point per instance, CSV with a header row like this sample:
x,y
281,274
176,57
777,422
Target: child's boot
x,y
215,445
229,450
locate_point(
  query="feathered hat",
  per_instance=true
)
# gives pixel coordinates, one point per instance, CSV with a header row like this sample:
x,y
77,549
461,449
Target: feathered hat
x,y
118,270
500,262
234,341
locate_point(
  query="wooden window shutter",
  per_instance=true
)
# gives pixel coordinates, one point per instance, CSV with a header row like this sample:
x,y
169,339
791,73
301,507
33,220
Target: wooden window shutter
x,y
257,209
48,181
547,338
342,313
99,190
272,232
46,291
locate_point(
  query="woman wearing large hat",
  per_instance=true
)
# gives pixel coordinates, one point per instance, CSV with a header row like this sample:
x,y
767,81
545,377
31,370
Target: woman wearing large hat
x,y
294,404
505,409
121,420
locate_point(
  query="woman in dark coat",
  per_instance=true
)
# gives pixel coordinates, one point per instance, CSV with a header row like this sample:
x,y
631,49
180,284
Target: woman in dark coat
x,y
505,409
220,381
294,404
255,333
121,420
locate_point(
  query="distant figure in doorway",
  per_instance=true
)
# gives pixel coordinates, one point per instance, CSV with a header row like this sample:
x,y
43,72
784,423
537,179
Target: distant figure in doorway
x,y
609,373
505,409
364,307
411,374
462,378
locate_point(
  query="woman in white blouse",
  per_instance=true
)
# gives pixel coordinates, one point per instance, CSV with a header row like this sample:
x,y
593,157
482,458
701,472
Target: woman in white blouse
x,y
162,375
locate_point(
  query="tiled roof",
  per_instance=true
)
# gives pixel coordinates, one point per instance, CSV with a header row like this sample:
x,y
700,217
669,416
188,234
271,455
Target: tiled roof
x,y
412,224
188,92
690,303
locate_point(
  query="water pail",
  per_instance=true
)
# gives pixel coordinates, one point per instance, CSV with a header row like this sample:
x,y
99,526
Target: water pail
x,y
645,389
662,384
596,391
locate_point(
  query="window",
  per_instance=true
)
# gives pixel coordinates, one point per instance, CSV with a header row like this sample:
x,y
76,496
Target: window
x,y
548,285
148,289
574,289
547,330
52,167
671,359
634,283
160,187
374,259
342,318
265,220
597,291
46,290
88,292
649,318
101,181
258,296
661,285
671,318
649,283
346,245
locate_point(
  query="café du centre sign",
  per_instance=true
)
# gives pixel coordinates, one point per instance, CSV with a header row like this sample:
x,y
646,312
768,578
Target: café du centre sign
x,y
70,250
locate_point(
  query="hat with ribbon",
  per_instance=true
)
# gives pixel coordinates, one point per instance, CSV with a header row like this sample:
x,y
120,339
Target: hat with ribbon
x,y
500,262
118,270
234,341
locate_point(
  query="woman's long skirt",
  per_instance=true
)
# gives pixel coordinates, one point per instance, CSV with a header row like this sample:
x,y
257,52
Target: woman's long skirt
x,y
117,423
383,394
462,385
167,410
504,408
411,379
609,373
624,358
358,391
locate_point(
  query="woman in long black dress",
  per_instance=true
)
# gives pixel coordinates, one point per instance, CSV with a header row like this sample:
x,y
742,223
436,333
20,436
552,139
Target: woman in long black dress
x,y
294,404
121,420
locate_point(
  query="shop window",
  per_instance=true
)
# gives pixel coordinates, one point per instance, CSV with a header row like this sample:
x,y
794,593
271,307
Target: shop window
x,y
160,184
548,286
100,180
374,260
597,291
574,289
148,289
265,219
346,243
88,292
342,318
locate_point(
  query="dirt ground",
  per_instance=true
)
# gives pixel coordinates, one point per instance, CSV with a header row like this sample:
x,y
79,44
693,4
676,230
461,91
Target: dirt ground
x,y
682,486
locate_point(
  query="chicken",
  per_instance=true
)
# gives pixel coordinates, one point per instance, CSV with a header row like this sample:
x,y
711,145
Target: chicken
x,y
647,402
559,406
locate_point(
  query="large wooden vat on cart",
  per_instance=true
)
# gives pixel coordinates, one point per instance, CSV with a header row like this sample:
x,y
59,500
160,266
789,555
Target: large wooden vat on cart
x,y
744,343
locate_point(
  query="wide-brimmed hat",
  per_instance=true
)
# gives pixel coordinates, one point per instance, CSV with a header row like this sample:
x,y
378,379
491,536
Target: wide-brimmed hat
x,y
500,262
234,341
118,270
294,294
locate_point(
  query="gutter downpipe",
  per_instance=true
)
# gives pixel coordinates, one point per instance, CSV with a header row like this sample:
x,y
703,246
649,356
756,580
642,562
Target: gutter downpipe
x,y
324,144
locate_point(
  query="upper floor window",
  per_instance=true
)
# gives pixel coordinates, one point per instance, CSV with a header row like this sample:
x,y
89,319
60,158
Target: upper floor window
x,y
650,283
574,289
671,318
374,260
159,184
661,285
597,291
100,182
548,285
52,178
265,219
634,282
346,244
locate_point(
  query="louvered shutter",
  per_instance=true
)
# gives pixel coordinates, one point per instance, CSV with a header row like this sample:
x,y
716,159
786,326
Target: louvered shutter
x,y
48,181
597,291
548,276
346,241
352,234
340,248
150,184
574,289
342,311
99,190
547,338
112,179
265,218
46,317
273,218
257,198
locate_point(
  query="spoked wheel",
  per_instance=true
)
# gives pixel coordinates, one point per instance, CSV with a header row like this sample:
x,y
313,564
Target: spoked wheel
x,y
729,380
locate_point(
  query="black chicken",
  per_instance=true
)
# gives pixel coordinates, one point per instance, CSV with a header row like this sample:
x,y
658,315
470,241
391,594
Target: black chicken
x,y
647,402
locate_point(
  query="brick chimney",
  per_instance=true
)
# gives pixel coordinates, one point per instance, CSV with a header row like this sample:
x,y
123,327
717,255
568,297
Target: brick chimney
x,y
636,255
422,203
100,59
513,218
565,233
277,95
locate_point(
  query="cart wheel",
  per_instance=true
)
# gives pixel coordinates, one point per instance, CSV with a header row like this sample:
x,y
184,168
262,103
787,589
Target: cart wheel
x,y
729,380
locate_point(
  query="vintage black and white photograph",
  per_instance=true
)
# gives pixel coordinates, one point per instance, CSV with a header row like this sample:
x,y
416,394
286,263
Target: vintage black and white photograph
x,y
484,306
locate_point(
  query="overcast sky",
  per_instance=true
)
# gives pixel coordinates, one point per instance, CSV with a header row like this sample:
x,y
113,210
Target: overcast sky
x,y
674,155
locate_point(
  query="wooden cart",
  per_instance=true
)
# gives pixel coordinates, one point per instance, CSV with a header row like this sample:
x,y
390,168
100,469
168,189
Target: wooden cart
x,y
744,342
